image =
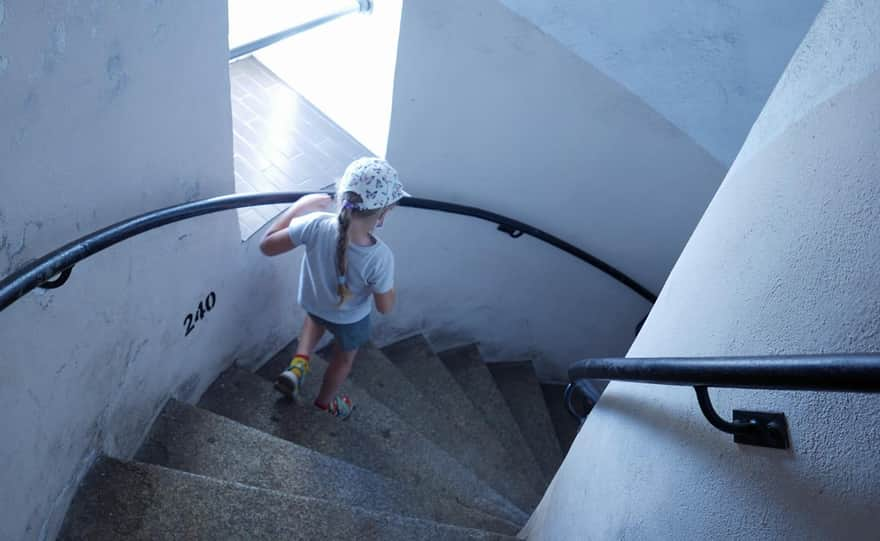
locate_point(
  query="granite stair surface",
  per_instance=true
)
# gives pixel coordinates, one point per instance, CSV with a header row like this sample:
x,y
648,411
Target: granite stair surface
x,y
378,441
472,375
420,409
522,391
195,440
129,500
439,446
418,362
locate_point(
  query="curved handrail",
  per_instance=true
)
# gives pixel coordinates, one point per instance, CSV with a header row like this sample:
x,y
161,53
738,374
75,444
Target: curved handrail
x,y
857,373
589,396
41,270
516,228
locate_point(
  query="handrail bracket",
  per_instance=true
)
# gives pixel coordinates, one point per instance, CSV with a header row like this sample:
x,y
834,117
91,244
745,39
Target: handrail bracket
x,y
57,282
510,230
748,427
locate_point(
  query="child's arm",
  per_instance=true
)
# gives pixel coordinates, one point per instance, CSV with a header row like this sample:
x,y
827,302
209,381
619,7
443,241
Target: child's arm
x,y
383,282
276,240
384,301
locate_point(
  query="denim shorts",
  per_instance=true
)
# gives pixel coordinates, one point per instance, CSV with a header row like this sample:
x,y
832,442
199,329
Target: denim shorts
x,y
349,336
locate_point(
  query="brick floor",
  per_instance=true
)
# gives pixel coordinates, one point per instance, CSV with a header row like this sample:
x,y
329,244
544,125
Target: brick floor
x,y
281,141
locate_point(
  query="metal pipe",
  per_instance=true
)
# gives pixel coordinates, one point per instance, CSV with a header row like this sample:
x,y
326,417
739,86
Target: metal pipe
x,y
516,229
41,270
714,419
826,372
248,48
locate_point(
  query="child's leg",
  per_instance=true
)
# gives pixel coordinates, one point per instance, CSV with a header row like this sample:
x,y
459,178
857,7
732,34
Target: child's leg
x,y
309,336
289,382
337,371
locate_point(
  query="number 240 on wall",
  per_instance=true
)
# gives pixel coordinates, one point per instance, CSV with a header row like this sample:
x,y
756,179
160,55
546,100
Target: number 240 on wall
x,y
205,306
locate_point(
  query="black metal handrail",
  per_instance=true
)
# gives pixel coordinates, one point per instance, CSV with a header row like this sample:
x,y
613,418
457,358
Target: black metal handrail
x,y
858,373
38,273
364,6
516,229
851,372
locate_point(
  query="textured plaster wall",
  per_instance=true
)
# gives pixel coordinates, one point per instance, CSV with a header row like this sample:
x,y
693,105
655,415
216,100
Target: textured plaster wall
x,y
832,55
110,109
708,66
784,261
491,112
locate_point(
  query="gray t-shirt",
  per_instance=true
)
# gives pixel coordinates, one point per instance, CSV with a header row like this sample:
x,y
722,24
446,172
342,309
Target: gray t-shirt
x,y
370,270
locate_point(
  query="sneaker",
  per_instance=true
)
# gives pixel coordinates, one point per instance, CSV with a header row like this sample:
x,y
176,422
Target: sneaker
x,y
340,407
287,384
290,381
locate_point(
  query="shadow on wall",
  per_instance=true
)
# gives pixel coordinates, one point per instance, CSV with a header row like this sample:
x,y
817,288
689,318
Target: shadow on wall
x,y
489,111
707,66
658,421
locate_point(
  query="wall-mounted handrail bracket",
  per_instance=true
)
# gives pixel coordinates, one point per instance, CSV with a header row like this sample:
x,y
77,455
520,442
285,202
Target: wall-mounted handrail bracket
x,y
57,282
512,231
771,429
748,427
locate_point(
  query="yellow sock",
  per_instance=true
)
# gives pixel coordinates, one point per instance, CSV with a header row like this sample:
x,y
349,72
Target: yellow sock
x,y
299,365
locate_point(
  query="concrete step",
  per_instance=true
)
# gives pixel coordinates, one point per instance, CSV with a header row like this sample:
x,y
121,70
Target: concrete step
x,y
469,370
373,437
418,363
375,373
197,441
130,500
522,391
565,425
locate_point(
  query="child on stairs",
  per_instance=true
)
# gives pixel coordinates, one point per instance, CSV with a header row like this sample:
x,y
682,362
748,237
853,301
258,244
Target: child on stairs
x,y
343,267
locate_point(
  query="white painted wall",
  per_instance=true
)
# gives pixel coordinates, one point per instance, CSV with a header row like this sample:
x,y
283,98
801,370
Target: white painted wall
x,y
111,109
489,111
461,281
346,69
841,53
784,261
708,66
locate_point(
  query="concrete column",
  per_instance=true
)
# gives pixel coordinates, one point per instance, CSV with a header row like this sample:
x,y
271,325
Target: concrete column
x,y
783,261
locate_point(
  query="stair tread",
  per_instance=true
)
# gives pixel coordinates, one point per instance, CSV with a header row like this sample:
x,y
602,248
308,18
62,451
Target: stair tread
x,y
374,438
380,377
520,387
197,441
565,425
415,359
466,365
131,500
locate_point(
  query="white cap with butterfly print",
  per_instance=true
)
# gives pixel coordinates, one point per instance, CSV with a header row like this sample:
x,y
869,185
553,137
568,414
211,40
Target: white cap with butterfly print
x,y
375,181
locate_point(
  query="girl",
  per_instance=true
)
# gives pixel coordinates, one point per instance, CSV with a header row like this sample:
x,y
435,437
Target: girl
x,y
344,265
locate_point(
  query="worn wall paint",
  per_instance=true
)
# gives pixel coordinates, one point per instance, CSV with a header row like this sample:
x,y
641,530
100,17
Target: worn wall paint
x,y
784,261
489,111
111,109
708,66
